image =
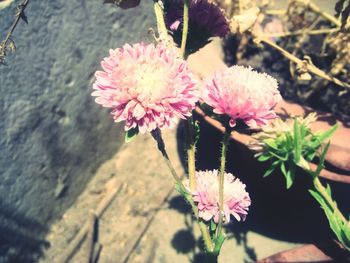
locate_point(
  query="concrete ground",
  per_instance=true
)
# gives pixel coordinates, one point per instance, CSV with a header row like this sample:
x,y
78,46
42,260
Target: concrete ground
x,y
147,221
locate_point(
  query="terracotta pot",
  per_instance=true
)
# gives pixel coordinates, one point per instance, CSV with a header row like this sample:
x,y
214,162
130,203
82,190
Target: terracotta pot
x,y
284,215
326,252
338,156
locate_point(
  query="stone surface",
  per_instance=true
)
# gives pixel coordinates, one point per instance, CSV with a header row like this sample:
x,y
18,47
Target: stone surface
x,y
147,222
53,135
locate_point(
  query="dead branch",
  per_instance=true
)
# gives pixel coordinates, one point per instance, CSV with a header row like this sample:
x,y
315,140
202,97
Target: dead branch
x,y
7,42
302,63
301,32
89,243
112,192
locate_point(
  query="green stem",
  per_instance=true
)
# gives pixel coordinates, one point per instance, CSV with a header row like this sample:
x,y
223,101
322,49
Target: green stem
x,y
224,144
184,29
191,153
322,190
163,32
209,246
157,135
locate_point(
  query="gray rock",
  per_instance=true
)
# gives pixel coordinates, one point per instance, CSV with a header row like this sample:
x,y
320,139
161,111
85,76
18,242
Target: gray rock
x,y
53,135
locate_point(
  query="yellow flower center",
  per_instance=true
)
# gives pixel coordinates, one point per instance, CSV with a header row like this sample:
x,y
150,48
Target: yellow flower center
x,y
151,80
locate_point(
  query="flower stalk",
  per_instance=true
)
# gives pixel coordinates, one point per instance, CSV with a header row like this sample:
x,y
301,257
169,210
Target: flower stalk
x,y
209,245
191,153
322,190
157,135
158,10
184,29
224,144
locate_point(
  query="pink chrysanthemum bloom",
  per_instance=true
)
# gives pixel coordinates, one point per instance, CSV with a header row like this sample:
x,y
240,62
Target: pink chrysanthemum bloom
x,y
206,196
146,86
242,93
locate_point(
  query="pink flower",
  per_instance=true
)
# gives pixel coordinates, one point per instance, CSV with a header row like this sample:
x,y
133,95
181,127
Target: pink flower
x,y
206,195
242,93
146,86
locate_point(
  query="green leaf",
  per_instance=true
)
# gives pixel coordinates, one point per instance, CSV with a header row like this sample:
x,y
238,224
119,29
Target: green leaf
x,y
328,190
333,223
310,155
318,197
289,141
283,169
271,168
320,165
278,156
289,179
212,225
271,143
263,158
131,134
344,238
181,190
346,229
346,235
327,134
269,171
288,175
297,141
218,243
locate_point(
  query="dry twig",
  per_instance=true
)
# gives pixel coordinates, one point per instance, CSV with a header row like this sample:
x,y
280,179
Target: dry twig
x,y
8,43
302,63
90,238
102,206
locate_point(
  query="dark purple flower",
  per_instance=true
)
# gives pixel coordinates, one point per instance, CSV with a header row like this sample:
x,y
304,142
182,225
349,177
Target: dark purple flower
x,y
205,21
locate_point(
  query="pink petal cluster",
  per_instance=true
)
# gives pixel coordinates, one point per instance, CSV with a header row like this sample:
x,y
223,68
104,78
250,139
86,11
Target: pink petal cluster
x,y
146,86
206,195
242,93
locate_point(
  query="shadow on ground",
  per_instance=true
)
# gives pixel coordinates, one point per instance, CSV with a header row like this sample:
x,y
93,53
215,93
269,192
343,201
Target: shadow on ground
x,y
20,236
286,215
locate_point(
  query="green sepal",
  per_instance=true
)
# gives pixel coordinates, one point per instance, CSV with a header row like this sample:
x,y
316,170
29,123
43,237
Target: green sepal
x,y
131,134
